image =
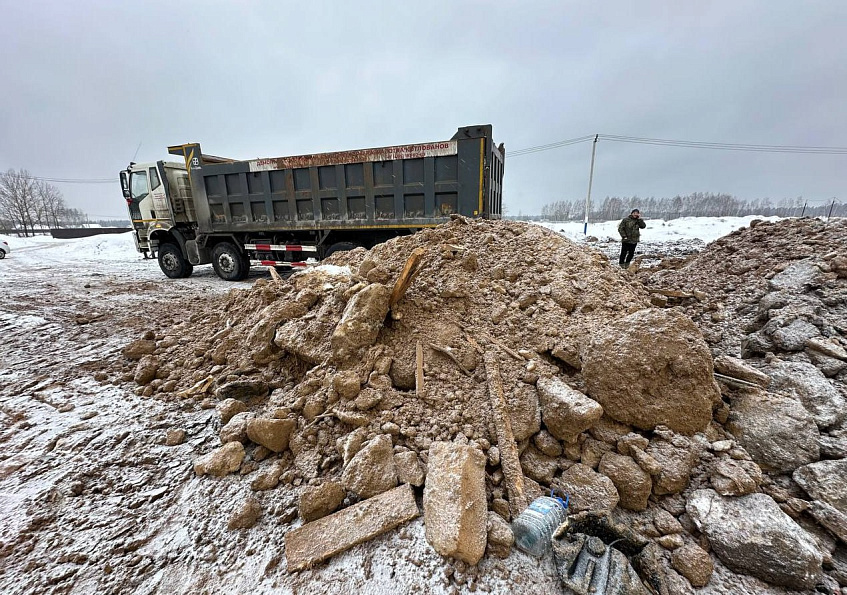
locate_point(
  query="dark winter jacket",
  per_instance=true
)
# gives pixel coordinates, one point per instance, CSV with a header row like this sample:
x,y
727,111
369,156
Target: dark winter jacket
x,y
628,228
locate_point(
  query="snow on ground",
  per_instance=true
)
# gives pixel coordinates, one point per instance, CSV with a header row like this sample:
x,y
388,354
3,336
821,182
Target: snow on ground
x,y
118,250
707,229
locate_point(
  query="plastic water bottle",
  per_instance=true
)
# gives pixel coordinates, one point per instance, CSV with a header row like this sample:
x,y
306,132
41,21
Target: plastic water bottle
x,y
534,527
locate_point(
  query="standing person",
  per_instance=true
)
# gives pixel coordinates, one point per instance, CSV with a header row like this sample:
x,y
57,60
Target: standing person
x,y
628,228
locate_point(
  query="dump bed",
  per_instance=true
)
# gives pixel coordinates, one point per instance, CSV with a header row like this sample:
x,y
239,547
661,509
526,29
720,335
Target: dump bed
x,y
406,186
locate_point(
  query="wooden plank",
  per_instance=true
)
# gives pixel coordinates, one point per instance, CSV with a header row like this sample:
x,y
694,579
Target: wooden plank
x,y
406,276
321,539
509,457
419,375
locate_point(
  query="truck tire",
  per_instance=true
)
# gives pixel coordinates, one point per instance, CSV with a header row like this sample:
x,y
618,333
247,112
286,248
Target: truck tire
x,y
229,263
172,262
340,247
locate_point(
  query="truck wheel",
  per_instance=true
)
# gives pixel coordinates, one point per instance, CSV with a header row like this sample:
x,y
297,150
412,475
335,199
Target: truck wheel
x,y
229,263
172,262
340,247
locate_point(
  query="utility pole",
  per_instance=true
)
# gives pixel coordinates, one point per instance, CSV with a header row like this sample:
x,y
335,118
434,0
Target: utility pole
x,y
830,209
590,180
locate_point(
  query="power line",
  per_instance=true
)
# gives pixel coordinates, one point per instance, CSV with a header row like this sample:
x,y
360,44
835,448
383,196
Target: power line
x,y
564,143
756,148
726,146
76,180
798,149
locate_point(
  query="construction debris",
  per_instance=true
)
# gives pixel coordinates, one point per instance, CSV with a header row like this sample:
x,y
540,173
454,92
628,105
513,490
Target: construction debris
x,y
450,360
321,539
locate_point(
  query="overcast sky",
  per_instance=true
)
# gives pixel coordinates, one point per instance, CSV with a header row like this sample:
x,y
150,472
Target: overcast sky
x,y
83,83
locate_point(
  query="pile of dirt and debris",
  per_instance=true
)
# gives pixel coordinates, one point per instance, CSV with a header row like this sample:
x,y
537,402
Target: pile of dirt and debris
x,y
478,365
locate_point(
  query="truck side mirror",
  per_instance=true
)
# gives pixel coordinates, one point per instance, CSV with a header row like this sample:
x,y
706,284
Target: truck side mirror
x,y
125,185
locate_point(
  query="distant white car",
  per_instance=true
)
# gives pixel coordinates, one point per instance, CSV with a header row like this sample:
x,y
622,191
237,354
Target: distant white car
x,y
4,249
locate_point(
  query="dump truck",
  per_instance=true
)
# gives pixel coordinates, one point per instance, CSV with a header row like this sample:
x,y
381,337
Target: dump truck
x,y
290,212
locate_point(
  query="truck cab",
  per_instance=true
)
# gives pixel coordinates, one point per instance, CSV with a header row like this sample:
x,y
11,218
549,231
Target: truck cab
x,y
161,208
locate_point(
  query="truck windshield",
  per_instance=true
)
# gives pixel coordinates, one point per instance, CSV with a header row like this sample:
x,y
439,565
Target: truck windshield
x,y
138,185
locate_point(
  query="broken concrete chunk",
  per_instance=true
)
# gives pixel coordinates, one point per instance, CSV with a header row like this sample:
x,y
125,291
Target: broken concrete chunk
x,y
547,444
139,348
228,408
235,429
371,471
633,484
361,322
588,490
693,563
671,383
146,370
409,469
776,430
825,480
538,466
827,347
273,434
174,437
318,501
735,478
675,461
829,517
454,501
267,479
753,536
321,539
246,516
243,389
219,462
501,538
566,412
346,384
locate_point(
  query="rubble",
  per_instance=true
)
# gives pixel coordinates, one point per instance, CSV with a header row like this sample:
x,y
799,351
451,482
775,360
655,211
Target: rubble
x,y
454,501
371,471
669,384
316,541
825,480
488,379
752,535
224,460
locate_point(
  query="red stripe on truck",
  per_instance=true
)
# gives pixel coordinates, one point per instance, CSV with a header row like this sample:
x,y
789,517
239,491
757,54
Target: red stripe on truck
x,y
265,247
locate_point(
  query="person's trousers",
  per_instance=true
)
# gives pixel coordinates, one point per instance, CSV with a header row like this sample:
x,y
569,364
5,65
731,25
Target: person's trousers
x,y
627,252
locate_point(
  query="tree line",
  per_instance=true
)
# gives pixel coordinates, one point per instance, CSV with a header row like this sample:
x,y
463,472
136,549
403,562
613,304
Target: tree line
x,y
27,205
696,204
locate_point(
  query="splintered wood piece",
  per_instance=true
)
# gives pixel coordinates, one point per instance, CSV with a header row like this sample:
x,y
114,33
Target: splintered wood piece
x,y
200,387
509,457
672,293
321,539
274,275
419,377
406,276
447,352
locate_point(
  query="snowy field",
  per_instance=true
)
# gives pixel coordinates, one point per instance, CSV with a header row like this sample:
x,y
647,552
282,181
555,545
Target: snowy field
x,y
116,255
706,229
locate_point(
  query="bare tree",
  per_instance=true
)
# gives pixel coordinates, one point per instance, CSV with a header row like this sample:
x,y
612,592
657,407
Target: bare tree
x,y
17,199
51,201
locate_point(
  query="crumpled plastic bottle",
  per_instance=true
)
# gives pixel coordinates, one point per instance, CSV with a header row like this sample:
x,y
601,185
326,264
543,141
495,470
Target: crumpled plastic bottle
x,y
534,527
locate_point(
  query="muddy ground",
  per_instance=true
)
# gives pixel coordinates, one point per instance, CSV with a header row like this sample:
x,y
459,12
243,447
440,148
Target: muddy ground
x,y
93,500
